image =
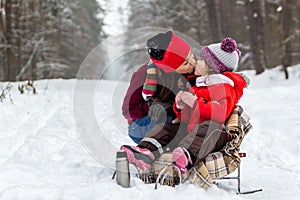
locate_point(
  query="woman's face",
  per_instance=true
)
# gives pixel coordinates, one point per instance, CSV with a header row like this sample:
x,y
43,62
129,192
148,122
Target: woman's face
x,y
201,68
188,65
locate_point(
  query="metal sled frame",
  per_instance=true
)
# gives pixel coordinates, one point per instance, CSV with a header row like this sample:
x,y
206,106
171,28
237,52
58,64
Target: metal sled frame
x,y
238,178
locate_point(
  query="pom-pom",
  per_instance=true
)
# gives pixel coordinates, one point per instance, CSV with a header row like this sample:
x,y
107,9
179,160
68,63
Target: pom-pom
x,y
228,45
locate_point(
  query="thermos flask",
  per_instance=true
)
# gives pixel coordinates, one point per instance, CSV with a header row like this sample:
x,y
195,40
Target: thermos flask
x,y
122,169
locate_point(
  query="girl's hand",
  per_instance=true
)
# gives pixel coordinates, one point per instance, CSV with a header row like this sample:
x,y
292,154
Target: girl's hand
x,y
178,100
189,99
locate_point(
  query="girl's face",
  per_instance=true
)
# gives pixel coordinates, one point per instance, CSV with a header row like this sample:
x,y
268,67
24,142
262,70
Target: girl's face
x,y
188,65
201,68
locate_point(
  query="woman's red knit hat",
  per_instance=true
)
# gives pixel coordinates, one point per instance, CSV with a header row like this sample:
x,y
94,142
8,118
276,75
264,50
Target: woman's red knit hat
x,y
168,51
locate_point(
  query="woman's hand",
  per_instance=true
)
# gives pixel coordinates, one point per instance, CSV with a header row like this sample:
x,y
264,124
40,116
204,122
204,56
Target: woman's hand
x,y
176,121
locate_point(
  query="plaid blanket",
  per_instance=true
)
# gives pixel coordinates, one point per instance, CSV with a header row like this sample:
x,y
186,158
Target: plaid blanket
x,y
224,162
162,172
216,165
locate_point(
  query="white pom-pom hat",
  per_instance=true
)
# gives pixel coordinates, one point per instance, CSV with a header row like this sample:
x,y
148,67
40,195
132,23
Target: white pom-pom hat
x,y
221,57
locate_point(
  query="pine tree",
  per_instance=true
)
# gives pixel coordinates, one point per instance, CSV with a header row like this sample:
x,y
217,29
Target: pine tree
x,y
47,39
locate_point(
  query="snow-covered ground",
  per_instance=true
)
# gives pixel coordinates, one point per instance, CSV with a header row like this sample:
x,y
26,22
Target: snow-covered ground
x,y
60,143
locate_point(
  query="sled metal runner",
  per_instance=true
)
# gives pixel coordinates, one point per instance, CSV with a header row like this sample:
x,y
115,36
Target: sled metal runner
x,y
238,178
122,173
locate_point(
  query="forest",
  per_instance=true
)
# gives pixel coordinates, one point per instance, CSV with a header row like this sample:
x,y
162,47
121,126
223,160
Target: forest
x,y
51,38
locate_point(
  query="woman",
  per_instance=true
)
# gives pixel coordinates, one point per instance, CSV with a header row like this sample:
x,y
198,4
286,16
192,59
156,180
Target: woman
x,y
153,86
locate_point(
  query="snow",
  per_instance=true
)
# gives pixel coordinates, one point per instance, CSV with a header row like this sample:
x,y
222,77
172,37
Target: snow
x,y
279,9
116,17
60,143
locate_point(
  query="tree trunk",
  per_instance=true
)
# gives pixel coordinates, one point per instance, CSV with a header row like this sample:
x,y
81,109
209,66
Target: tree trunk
x,y
223,10
212,20
286,22
2,40
256,34
8,32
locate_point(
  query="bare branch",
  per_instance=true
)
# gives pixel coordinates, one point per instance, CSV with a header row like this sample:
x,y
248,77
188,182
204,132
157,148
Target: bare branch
x,y
6,91
29,61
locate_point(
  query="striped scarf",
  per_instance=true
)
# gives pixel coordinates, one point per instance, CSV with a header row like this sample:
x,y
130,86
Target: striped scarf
x,y
150,85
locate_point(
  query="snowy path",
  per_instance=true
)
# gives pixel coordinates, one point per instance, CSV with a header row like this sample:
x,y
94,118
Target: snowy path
x,y
42,155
